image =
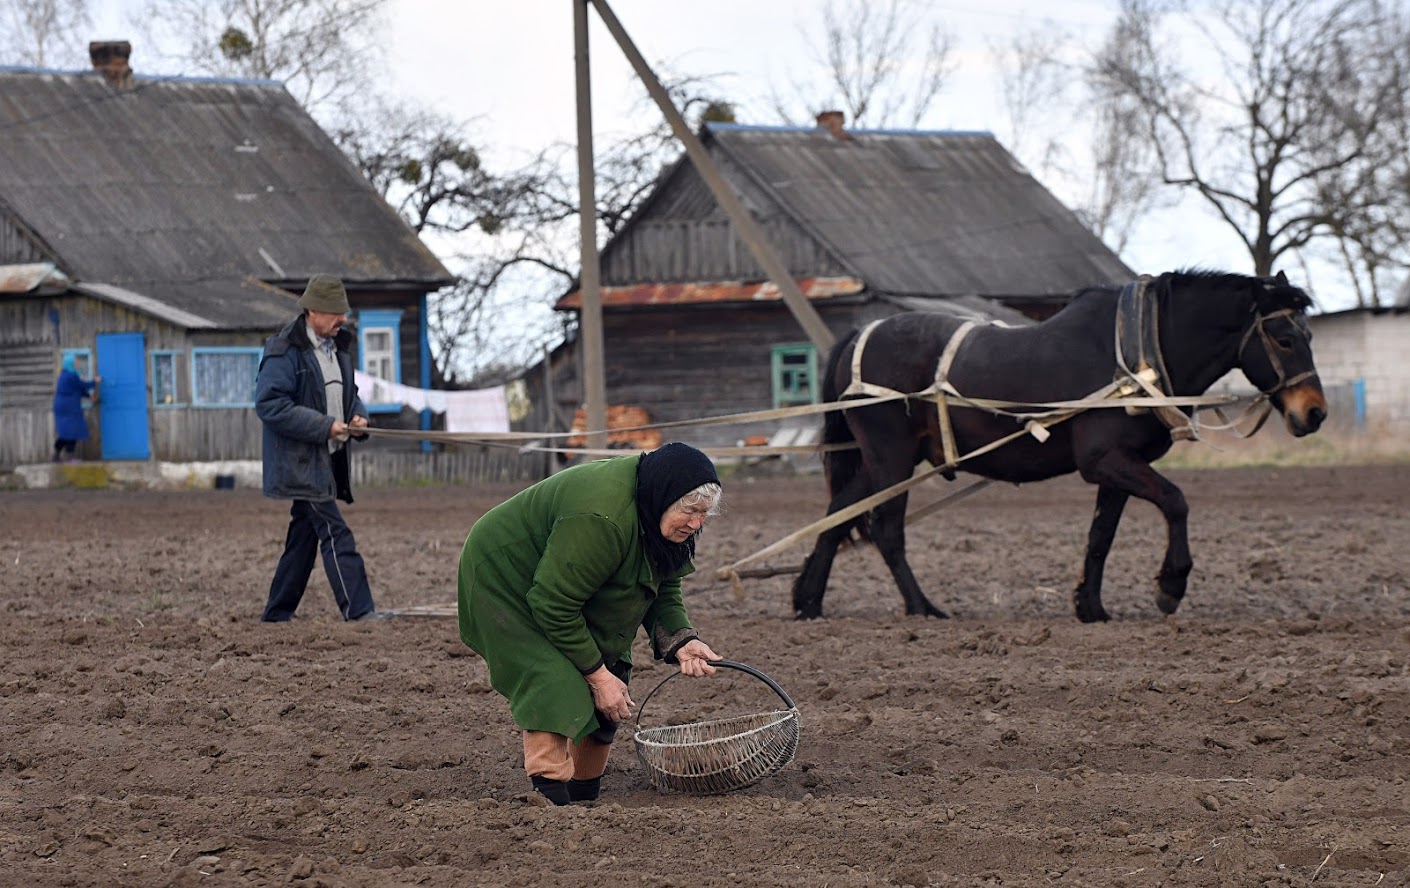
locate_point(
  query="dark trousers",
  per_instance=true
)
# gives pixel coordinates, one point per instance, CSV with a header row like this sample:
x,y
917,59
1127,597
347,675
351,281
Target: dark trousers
x,y
316,527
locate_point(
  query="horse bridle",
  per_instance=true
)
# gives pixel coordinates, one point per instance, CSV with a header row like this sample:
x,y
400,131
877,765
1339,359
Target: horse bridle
x,y
1270,350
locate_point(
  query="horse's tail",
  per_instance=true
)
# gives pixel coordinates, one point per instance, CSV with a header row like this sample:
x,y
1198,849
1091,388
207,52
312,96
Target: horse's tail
x,y
842,465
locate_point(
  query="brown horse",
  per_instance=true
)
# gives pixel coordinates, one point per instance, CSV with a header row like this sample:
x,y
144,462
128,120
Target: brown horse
x,y
1198,325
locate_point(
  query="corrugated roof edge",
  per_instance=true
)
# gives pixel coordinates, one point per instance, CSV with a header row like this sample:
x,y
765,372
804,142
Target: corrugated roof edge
x,y
145,304
778,128
157,78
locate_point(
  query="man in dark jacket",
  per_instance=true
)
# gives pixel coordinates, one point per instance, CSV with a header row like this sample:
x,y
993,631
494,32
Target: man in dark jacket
x,y
307,400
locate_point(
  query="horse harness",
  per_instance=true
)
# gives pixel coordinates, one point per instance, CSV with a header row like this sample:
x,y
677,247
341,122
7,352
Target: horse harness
x,y
1138,356
1140,361
939,391
1140,368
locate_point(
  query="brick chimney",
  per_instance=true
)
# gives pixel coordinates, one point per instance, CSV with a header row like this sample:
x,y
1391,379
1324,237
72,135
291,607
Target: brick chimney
x,y
832,121
110,59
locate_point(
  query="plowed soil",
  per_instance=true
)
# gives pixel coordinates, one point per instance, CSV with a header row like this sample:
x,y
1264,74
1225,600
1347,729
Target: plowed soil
x,y
153,732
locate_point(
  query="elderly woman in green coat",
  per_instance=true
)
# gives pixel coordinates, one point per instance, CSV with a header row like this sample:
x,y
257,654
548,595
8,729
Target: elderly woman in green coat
x,y
553,584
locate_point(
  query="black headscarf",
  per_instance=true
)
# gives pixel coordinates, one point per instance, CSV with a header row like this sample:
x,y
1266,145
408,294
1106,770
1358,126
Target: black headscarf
x,y
662,477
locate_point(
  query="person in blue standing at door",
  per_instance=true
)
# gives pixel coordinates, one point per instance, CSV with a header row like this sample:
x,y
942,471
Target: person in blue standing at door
x,y
308,402
70,426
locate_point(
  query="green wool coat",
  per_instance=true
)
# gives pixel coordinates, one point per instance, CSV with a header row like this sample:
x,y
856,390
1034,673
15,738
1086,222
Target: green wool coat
x,y
554,582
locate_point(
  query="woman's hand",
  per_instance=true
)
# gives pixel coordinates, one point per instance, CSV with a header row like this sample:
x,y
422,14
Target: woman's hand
x,y
609,694
694,657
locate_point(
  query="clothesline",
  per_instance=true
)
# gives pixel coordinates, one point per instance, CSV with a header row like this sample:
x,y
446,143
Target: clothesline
x,y
478,410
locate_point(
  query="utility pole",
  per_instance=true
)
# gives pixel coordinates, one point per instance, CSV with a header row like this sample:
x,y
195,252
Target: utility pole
x,y
590,320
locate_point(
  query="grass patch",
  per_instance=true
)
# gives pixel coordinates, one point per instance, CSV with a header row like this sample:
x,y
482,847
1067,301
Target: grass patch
x,y
1273,447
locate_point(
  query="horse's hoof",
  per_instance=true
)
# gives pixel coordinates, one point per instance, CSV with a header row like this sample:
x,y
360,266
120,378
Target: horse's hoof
x,y
1093,615
1167,603
810,613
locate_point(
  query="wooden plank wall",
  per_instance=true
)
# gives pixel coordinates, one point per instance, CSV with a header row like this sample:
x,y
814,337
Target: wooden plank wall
x,y
684,236
702,362
196,434
458,465
670,250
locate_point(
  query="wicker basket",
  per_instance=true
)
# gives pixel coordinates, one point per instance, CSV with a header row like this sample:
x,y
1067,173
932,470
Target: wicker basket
x,y
719,755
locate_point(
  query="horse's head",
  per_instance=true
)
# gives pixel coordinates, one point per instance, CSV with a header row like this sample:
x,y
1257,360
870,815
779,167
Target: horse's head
x,y
1276,354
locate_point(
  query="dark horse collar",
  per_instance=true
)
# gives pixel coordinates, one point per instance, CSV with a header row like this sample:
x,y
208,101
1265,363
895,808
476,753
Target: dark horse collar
x,y
1138,332
1138,356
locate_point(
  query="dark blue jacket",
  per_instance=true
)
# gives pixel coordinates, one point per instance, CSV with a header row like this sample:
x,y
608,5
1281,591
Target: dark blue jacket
x,y
69,422
290,400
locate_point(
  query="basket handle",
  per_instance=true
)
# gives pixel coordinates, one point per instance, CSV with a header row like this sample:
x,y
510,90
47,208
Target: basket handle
x,y
728,664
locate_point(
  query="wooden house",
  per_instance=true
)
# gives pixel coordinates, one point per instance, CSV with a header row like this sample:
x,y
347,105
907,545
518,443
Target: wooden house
x,y
159,229
869,223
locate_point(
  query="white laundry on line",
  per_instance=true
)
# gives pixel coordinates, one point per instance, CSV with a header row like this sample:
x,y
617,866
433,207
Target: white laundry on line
x,y
478,410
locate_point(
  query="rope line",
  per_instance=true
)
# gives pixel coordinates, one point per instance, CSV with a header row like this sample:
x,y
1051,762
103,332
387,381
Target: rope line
x,y
1026,412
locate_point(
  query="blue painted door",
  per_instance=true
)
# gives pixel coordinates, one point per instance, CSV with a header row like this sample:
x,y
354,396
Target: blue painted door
x,y
122,396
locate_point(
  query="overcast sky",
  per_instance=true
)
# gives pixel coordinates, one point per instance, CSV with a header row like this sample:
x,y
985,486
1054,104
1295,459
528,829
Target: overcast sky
x,y
511,65
508,65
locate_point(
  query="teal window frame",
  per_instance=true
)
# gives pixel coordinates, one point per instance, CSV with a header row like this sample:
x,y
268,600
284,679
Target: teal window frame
x,y
793,382
197,399
380,319
154,358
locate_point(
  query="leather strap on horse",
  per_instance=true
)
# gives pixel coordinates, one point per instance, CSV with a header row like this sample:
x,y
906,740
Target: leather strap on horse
x,y
938,392
859,386
942,407
1138,355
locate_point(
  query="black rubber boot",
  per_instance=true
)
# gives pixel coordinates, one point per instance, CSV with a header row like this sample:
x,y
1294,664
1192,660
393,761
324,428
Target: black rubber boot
x,y
584,790
556,791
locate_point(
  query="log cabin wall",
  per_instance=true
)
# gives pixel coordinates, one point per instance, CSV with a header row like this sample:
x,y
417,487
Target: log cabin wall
x,y
685,236
708,360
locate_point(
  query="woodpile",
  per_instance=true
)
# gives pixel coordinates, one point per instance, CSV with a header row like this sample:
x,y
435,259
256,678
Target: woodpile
x,y
619,416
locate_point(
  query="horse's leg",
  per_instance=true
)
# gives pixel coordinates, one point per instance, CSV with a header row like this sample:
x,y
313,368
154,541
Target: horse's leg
x,y
1088,595
1135,477
888,531
808,589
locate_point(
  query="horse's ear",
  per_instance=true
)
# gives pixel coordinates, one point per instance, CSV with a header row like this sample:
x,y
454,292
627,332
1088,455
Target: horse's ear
x,y
1281,279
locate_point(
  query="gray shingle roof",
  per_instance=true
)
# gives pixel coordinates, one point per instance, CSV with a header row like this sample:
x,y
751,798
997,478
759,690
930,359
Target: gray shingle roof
x,y
942,213
185,180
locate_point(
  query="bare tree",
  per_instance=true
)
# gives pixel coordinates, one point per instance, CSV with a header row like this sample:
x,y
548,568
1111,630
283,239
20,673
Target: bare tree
x,y
533,258
1035,81
511,235
496,229
1062,124
44,32
1286,119
322,50
880,69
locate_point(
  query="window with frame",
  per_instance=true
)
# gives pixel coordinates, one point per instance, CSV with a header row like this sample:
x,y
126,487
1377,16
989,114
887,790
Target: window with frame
x,y
795,374
166,371
379,353
224,377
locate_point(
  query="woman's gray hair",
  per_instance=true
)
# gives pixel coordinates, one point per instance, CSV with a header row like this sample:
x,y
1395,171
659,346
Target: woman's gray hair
x,y
708,493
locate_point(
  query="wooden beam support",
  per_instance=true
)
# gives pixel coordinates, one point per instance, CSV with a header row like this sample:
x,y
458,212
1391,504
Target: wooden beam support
x,y
749,228
590,317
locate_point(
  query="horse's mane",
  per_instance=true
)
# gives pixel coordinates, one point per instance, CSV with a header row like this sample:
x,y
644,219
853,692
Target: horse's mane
x,y
1271,293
